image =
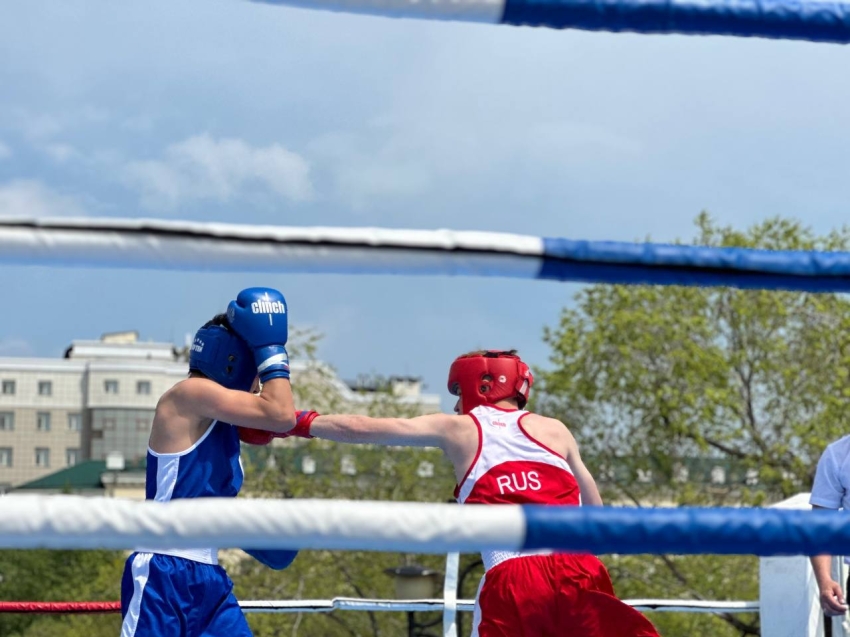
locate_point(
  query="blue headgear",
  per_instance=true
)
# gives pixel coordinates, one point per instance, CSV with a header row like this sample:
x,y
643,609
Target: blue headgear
x,y
222,356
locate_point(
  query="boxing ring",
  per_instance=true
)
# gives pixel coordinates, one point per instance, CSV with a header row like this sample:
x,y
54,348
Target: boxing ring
x,y
782,536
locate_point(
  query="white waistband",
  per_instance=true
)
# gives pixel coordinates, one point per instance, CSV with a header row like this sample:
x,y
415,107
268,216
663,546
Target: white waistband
x,y
494,558
204,556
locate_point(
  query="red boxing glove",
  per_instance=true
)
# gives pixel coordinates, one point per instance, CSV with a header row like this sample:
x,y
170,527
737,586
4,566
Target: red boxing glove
x,y
255,436
303,420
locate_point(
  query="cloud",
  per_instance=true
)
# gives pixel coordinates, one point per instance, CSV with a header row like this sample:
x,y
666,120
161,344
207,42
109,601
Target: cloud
x,y
141,123
202,168
15,347
39,126
61,153
370,166
5,151
550,140
31,198
401,157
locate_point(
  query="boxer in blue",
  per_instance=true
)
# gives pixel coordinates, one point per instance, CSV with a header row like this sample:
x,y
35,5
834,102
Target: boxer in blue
x,y
193,452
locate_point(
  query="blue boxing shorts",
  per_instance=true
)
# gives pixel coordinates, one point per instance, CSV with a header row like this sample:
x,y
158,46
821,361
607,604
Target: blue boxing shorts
x,y
168,596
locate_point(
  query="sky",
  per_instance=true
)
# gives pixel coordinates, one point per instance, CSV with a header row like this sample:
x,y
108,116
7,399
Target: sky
x,y
230,111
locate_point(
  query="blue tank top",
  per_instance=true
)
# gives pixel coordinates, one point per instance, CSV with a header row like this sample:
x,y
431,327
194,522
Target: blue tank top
x,y
208,469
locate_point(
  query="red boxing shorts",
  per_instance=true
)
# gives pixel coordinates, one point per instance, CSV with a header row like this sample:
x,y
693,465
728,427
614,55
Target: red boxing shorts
x,y
553,596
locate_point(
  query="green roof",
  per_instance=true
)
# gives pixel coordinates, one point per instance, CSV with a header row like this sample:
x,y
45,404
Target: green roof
x,y
83,475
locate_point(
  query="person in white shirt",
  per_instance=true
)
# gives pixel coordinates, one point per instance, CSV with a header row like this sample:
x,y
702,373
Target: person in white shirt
x,y
830,491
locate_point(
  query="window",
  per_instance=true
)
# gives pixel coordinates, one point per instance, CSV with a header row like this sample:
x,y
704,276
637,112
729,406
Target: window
x,y
110,424
5,456
72,457
143,424
347,466
143,387
43,421
45,388
42,457
8,388
110,386
75,422
7,421
752,478
718,475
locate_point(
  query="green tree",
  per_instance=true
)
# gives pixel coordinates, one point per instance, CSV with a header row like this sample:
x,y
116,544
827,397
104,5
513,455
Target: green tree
x,y
650,377
52,576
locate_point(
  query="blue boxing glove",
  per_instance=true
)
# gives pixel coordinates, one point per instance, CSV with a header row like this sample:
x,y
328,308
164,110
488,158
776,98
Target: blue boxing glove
x,y
258,316
276,559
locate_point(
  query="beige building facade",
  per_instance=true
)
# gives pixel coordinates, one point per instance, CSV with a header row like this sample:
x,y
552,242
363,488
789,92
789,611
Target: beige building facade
x,y
98,401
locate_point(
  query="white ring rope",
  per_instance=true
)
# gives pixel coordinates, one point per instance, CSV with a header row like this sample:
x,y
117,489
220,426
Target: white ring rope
x,y
345,603
184,245
813,20
75,522
486,11
66,521
466,605
693,606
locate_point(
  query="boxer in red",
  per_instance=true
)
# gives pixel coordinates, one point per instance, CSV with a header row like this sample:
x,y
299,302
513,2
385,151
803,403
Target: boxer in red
x,y
503,454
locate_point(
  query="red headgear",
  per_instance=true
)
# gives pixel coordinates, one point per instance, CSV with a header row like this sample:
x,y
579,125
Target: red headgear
x,y
485,379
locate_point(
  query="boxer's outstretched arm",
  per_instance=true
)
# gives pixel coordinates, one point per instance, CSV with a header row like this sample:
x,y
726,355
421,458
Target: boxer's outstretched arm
x,y
423,431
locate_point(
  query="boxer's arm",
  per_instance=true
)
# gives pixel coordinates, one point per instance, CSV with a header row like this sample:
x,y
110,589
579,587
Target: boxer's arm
x,y
271,410
276,559
262,438
432,430
256,437
259,316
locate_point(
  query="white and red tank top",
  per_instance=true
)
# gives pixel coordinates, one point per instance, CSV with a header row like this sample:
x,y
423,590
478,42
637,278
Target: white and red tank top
x,y
511,467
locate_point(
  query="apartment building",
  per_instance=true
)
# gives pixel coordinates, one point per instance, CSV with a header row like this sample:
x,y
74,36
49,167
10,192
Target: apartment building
x,y
97,402
99,398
